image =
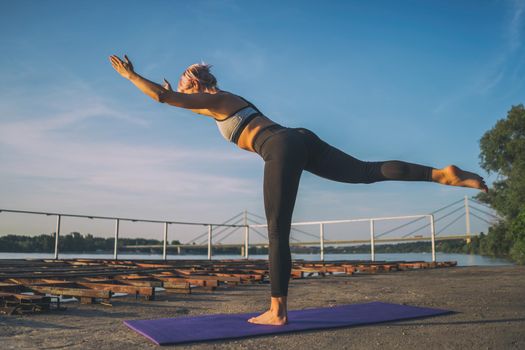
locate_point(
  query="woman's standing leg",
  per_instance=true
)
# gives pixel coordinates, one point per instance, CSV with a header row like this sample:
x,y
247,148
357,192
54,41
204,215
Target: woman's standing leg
x,y
285,156
281,182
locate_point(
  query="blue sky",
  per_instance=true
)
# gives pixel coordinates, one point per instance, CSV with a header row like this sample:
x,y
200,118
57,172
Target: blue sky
x,y
409,80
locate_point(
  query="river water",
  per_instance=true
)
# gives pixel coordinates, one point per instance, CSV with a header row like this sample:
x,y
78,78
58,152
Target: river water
x,y
462,259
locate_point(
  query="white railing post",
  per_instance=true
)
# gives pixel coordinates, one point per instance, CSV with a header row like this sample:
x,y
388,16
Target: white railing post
x,y
321,237
246,240
165,243
433,237
372,241
115,248
57,236
245,234
467,219
209,241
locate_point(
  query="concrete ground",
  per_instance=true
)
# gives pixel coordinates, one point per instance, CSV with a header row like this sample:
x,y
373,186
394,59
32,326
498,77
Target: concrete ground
x,y
489,303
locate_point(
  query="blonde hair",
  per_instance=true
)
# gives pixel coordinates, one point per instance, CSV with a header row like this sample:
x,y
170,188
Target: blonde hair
x,y
198,73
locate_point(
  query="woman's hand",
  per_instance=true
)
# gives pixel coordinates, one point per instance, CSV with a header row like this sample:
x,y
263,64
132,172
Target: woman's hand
x,y
124,68
166,85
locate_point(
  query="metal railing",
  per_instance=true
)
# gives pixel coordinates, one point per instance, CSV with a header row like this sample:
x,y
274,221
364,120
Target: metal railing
x,y
117,221
247,227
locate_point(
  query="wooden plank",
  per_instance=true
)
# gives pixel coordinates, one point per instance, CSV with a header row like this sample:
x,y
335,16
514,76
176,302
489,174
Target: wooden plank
x,y
144,282
22,296
198,282
297,273
177,287
120,288
73,292
226,277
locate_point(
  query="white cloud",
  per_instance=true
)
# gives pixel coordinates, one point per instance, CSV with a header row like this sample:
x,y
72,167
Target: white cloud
x,y
516,25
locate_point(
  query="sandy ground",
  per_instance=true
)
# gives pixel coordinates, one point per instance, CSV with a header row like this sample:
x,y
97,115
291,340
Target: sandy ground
x,y
489,303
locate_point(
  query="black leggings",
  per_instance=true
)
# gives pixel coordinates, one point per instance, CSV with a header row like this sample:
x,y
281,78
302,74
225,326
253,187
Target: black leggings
x,y
289,151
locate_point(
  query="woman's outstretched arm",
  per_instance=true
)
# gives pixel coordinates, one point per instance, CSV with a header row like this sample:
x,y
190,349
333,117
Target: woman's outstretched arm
x,y
125,68
163,94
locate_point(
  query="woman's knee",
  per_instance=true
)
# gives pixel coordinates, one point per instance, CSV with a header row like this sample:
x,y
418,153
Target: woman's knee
x,y
395,169
280,233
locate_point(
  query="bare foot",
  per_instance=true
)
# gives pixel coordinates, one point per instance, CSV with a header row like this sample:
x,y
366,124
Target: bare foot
x,y
270,317
453,176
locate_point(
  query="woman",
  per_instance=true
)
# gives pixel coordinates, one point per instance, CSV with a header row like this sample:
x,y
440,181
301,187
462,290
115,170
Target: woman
x,y
286,153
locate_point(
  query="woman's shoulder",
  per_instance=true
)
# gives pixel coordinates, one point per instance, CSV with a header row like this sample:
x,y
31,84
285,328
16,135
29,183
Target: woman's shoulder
x,y
225,105
232,103
229,96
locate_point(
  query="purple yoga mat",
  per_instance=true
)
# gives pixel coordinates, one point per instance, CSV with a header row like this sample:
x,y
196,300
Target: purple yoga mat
x,y
184,329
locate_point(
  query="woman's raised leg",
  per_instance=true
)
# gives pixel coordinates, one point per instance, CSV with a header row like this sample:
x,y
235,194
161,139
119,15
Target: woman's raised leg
x,y
331,163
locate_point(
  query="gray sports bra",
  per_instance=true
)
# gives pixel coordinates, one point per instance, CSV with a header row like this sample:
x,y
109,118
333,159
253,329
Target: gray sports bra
x,y
232,127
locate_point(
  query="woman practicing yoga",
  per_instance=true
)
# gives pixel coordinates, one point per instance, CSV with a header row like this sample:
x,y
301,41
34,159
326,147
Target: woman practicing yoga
x,y
286,153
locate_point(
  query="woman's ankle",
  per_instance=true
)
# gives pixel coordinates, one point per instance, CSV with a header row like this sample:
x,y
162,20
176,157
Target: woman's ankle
x,y
279,305
437,175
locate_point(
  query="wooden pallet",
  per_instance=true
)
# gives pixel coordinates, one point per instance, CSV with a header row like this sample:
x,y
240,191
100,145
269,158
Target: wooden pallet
x,y
97,281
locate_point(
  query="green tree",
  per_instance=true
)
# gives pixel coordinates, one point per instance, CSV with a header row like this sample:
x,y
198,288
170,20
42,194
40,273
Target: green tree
x,y
503,152
517,232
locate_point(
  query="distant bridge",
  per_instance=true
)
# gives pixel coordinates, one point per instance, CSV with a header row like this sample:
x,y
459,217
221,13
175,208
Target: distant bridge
x,y
299,244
